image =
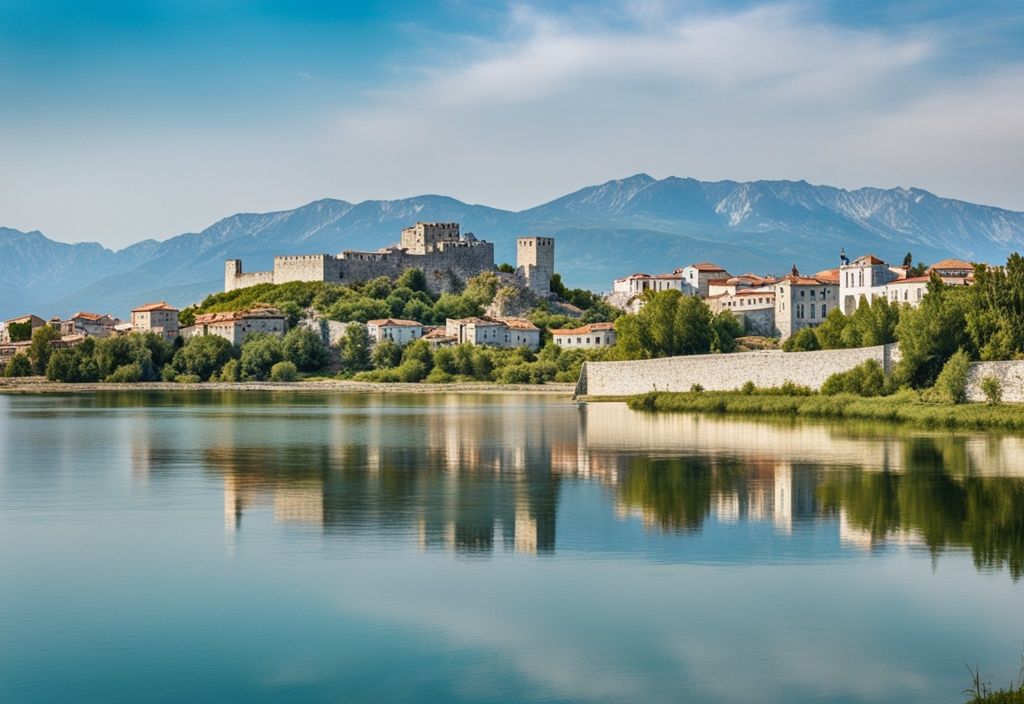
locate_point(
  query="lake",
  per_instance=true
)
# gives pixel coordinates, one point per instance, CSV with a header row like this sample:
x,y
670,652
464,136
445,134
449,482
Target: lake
x,y
251,547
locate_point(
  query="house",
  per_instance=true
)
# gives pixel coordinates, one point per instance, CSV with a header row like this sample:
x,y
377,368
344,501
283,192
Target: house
x,y
802,302
159,318
698,275
437,336
911,291
865,277
21,329
592,336
88,324
738,283
952,268
237,326
753,308
398,331
639,282
520,332
475,331
506,332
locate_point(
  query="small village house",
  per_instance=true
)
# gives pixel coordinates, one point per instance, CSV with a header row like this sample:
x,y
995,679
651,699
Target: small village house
x,y
592,336
21,328
399,331
88,324
160,318
237,326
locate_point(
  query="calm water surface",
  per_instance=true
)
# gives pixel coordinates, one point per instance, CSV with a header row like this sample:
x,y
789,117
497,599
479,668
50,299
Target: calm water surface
x,y
495,548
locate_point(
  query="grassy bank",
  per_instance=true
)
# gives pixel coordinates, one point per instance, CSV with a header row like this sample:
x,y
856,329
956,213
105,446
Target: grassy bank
x,y
904,407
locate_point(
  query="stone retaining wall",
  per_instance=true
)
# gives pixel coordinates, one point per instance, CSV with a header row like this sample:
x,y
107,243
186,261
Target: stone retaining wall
x,y
725,372
1010,375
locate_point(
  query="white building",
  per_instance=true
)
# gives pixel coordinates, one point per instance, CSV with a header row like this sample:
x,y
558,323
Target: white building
x,y
639,283
89,324
400,332
506,332
520,332
592,336
865,277
237,326
698,275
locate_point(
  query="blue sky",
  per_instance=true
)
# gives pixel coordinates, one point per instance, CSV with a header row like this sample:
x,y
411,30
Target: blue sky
x,y
126,120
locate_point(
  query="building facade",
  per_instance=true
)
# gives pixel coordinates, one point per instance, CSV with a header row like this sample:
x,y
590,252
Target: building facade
x,y
802,302
159,318
535,263
237,326
89,324
401,332
698,276
865,277
592,336
505,332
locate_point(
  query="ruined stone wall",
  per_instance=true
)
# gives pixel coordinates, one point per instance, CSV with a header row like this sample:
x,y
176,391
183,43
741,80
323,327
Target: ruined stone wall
x,y
725,372
235,278
301,267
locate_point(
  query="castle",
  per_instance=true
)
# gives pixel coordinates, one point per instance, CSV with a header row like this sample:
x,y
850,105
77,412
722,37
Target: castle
x,y
446,257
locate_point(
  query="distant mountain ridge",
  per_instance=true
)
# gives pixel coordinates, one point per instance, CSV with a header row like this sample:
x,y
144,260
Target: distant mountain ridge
x,y
602,232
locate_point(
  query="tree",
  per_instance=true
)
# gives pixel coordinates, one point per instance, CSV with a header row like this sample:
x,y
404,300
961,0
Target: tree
x,y
804,340
259,354
284,371
951,384
668,324
305,348
724,331
931,333
19,365
41,348
414,279
355,348
507,268
187,316
908,260
203,356
386,354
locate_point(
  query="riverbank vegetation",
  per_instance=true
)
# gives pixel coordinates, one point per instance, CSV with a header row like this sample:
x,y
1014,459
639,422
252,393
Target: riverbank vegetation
x,y
908,406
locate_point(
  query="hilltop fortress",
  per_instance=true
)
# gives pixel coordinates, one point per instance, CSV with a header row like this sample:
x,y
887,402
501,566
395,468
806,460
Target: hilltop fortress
x,y
446,257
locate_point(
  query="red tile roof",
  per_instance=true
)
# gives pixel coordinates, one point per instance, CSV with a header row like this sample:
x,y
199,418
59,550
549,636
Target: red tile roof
x,y
952,264
162,305
586,329
868,259
707,266
394,323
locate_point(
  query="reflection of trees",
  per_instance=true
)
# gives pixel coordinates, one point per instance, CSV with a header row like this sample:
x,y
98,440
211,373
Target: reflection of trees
x,y
931,500
676,493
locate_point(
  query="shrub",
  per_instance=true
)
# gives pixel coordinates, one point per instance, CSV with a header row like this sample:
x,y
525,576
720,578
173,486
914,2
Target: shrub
x,y
20,365
993,390
748,388
696,388
126,374
232,371
259,354
305,348
866,379
805,340
412,370
438,376
284,371
203,356
386,354
187,379
951,384
168,373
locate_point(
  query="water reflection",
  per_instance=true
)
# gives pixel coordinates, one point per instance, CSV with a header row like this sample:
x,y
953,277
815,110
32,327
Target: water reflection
x,y
484,474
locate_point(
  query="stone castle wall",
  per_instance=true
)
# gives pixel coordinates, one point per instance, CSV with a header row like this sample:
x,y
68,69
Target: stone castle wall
x,y
446,269
725,372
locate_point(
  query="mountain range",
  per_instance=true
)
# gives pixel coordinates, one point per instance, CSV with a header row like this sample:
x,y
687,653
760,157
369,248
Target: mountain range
x,y
601,232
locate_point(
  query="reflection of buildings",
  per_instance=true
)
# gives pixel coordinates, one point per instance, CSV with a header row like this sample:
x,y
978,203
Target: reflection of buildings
x,y
478,474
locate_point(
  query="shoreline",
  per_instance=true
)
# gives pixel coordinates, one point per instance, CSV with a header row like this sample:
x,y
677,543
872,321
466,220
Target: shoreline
x,y
38,385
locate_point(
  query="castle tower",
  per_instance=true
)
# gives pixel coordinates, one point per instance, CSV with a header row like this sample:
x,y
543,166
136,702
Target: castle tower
x,y
232,271
535,262
424,237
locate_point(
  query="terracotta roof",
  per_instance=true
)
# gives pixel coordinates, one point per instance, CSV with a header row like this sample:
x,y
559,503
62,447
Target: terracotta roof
x,y
232,315
828,275
475,320
162,305
437,333
88,316
394,323
518,324
719,282
586,329
806,280
952,264
868,259
707,266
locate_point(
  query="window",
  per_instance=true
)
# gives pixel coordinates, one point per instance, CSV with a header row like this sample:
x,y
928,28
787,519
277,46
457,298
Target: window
x,y
823,310
801,293
812,294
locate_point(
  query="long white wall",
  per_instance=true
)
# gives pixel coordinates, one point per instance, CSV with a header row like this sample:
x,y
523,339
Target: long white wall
x,y
725,372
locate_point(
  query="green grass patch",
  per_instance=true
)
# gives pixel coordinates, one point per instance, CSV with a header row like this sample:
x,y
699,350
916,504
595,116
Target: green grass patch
x,y
906,407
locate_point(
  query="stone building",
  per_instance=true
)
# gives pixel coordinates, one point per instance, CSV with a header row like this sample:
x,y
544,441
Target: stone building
x,y
535,263
237,326
160,318
753,308
952,268
803,302
639,282
505,332
34,322
447,258
592,336
89,324
398,331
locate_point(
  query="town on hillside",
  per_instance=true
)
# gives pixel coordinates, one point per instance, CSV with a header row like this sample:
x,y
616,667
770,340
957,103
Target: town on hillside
x,y
763,305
